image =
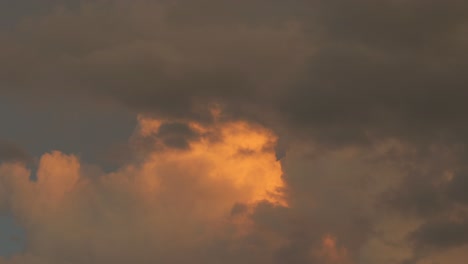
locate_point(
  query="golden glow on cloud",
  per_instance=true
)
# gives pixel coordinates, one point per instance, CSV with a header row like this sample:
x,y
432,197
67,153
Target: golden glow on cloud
x,y
174,197
237,153
331,253
57,175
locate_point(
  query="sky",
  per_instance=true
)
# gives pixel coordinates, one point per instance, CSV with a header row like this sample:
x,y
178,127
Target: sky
x,y
219,131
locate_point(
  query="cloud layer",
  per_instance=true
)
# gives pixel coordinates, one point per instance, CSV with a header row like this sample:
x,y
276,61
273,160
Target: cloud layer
x,y
166,201
314,131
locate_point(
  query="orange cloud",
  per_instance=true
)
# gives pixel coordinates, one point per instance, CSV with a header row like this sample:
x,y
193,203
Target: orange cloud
x,y
330,253
170,198
237,154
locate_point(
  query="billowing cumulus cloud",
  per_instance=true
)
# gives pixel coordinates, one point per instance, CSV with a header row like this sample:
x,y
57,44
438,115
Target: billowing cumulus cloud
x,y
169,200
297,131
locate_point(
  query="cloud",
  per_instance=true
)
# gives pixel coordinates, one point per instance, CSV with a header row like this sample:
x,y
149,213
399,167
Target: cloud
x,y
363,103
11,152
316,66
148,60
169,201
442,234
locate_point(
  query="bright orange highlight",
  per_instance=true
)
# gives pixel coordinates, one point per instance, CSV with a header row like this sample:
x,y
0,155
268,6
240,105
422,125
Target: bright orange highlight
x,y
237,154
331,253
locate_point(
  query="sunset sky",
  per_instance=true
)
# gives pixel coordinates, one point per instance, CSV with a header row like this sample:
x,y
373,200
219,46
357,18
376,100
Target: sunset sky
x,y
228,132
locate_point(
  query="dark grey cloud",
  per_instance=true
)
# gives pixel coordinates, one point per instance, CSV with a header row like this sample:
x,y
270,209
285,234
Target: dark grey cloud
x,y
442,234
10,152
172,135
176,135
69,125
434,191
394,68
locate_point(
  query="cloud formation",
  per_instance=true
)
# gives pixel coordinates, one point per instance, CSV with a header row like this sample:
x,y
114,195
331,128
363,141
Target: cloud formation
x,y
354,110
11,152
168,201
